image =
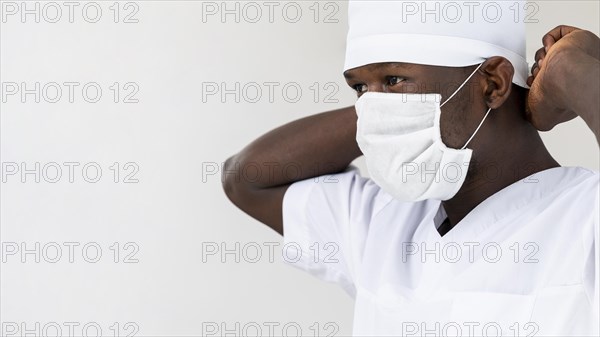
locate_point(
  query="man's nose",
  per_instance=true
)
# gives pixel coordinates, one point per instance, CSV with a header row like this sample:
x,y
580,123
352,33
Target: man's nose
x,y
377,87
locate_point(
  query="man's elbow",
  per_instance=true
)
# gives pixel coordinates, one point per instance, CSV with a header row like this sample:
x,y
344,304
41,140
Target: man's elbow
x,y
236,189
230,179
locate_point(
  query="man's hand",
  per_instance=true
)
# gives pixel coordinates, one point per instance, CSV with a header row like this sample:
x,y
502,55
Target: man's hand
x,y
556,82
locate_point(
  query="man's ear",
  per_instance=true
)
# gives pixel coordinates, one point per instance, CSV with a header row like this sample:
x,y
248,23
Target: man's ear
x,y
497,83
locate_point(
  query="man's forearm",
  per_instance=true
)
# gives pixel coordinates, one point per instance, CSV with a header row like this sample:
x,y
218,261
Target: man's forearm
x,y
312,146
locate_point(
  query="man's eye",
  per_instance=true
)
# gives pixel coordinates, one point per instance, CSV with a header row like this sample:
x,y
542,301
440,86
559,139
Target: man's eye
x,y
359,87
393,80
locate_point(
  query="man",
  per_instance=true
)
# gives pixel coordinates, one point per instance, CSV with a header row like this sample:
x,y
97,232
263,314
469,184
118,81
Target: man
x,y
468,226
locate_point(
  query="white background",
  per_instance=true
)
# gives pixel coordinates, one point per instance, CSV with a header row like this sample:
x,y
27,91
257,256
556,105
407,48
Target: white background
x,y
175,137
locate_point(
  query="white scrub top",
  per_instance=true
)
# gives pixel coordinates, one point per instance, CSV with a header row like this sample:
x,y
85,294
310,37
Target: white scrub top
x,y
524,262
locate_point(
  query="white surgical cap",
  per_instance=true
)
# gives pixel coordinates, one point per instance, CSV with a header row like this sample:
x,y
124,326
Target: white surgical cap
x,y
439,33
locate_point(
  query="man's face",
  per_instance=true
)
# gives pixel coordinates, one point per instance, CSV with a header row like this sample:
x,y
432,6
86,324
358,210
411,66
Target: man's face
x,y
459,116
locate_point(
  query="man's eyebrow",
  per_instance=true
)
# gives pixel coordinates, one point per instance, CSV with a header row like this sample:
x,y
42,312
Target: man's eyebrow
x,y
380,66
394,65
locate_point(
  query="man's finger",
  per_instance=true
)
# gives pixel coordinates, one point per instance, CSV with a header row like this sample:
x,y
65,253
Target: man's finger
x,y
536,70
529,80
533,67
539,54
556,34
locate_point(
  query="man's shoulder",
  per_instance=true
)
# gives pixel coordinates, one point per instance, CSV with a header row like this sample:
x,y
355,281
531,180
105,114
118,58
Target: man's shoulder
x,y
574,190
580,177
578,170
563,178
363,193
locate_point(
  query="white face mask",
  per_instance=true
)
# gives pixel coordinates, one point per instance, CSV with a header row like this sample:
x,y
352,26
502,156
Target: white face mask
x,y
399,134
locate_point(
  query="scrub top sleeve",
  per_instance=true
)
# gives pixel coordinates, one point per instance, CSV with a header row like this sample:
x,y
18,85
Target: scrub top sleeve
x,y
325,225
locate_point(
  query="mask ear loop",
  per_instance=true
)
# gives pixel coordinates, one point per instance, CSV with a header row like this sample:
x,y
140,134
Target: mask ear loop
x,y
462,85
455,92
474,133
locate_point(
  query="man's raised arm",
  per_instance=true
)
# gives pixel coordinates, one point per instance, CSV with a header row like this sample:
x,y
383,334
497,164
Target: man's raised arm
x,y
256,178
